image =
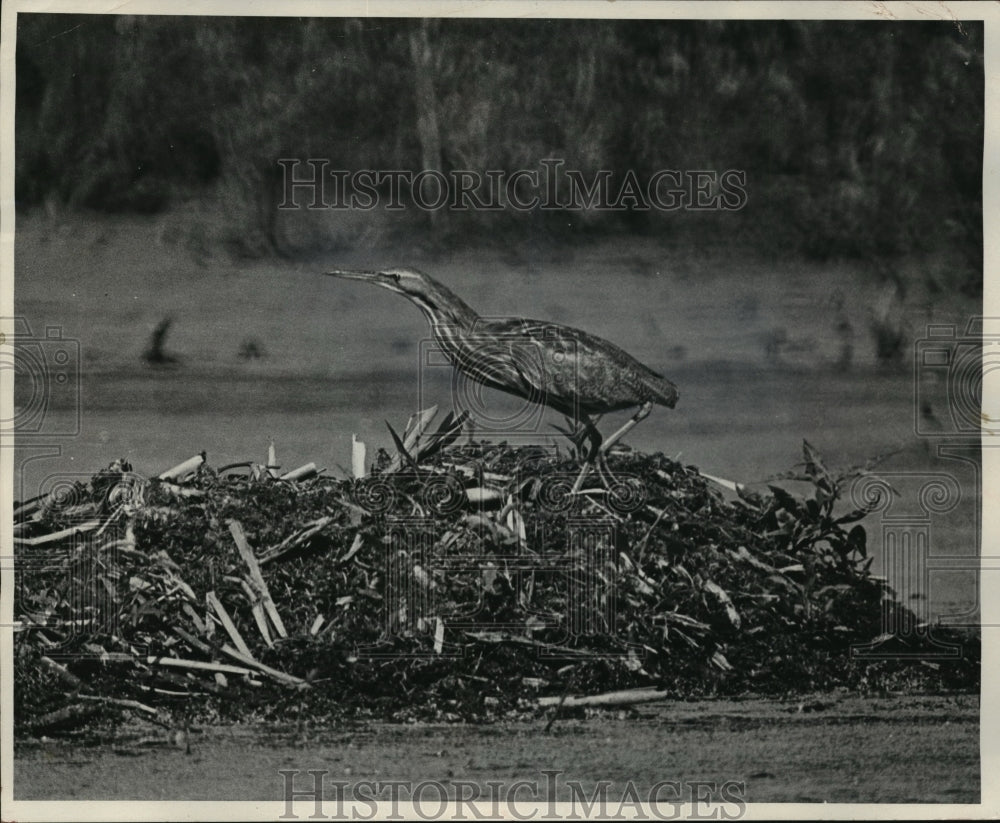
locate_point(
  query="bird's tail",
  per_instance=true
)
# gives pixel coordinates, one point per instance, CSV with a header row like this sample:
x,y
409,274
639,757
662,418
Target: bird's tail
x,y
664,392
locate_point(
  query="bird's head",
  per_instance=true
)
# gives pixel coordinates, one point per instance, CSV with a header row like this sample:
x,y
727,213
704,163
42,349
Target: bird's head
x,y
438,303
407,282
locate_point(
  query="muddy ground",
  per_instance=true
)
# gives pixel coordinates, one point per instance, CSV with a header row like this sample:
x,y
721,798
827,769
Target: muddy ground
x,y
833,748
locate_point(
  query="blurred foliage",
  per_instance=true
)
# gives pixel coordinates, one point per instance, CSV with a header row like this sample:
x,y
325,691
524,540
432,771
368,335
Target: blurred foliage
x,y
858,138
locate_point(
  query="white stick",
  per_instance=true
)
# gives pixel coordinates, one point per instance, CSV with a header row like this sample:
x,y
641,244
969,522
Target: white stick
x,y
726,484
358,458
272,460
249,661
59,535
181,469
622,698
301,473
179,663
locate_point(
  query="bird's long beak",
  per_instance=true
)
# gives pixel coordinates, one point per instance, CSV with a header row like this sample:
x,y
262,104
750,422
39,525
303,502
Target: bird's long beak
x,y
376,278
353,274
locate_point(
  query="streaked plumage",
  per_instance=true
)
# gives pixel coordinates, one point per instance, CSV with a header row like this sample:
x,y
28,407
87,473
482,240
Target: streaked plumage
x,y
573,372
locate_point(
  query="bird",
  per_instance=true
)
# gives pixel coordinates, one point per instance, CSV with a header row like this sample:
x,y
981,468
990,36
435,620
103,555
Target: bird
x,y
156,354
569,370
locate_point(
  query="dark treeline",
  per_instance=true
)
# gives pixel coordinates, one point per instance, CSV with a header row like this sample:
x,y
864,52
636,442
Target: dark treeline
x,y
857,138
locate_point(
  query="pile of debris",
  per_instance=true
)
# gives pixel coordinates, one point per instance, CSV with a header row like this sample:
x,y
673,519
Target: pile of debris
x,y
448,582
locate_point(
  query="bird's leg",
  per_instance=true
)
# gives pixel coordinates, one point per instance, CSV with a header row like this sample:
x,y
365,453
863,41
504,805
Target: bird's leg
x,y
585,429
599,449
603,470
636,418
590,431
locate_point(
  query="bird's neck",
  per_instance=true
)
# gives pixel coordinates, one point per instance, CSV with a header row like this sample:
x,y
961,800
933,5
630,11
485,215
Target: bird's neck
x,y
443,307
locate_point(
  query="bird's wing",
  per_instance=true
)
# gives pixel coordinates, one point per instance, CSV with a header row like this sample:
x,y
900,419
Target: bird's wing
x,y
572,369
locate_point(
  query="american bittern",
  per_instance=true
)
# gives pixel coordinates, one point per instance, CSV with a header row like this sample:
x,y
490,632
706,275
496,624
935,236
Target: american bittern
x,y
573,372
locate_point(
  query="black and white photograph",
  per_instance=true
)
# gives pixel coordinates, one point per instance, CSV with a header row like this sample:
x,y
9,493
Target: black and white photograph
x,y
527,410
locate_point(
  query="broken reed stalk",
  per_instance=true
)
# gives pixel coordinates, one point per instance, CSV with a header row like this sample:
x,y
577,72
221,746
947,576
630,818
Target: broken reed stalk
x,y
256,664
192,641
618,698
116,701
65,674
184,468
71,714
227,624
726,484
255,576
272,460
200,665
301,473
55,537
358,458
295,540
257,608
